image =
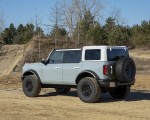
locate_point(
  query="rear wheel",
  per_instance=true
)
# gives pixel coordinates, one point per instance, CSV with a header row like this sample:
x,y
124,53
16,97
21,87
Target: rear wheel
x,y
88,90
62,90
31,86
119,92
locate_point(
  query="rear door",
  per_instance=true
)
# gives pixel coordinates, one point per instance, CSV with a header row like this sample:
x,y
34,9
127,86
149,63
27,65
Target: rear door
x,y
71,66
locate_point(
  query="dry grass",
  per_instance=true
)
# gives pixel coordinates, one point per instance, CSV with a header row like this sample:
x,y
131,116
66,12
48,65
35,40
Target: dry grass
x,y
142,60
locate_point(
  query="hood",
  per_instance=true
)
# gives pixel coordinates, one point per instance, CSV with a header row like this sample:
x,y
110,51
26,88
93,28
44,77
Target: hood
x,y
32,66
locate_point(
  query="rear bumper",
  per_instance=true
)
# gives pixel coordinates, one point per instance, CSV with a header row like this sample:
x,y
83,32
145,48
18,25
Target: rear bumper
x,y
108,83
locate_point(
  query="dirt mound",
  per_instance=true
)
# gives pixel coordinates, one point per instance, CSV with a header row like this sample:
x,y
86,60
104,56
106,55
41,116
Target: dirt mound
x,y
13,57
10,55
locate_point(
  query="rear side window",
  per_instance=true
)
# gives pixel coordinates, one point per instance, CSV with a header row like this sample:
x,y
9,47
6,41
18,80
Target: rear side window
x,y
73,56
115,54
93,54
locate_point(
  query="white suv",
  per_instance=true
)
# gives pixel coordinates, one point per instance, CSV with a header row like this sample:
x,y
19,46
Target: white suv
x,y
92,70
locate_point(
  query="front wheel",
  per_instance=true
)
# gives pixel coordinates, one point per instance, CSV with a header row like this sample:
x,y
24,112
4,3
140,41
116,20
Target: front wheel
x,y
31,86
88,90
119,92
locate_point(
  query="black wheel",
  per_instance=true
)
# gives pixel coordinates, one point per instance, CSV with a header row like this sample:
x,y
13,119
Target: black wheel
x,y
88,90
31,86
119,92
62,90
125,70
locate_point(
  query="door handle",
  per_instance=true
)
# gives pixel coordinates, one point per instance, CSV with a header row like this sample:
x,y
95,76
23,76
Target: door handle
x,y
76,67
58,67
111,69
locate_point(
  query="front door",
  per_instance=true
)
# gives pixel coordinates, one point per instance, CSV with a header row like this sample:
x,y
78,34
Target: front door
x,y
52,72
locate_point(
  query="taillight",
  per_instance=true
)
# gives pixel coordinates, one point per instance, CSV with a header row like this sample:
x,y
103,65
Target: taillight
x,y
105,69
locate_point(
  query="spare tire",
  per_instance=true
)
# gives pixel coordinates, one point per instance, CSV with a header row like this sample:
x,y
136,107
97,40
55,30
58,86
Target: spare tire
x,y
125,70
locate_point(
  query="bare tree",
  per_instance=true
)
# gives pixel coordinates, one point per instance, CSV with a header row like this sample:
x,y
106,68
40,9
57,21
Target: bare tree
x,y
74,12
1,23
116,15
68,18
82,6
56,18
38,26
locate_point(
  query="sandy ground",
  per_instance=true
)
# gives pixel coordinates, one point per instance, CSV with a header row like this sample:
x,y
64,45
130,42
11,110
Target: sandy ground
x,y
14,105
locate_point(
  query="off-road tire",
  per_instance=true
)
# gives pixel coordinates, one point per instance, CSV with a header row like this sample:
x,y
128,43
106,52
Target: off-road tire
x,y
125,70
31,86
62,90
88,90
119,92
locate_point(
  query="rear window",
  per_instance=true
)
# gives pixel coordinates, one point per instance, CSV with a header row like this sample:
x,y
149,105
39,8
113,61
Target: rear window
x,y
92,54
72,56
115,54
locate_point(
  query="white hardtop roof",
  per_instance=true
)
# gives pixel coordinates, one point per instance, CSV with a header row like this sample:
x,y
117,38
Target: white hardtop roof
x,y
104,47
96,47
67,49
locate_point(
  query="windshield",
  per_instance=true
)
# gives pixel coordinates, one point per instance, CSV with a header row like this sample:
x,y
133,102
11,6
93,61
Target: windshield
x,y
115,54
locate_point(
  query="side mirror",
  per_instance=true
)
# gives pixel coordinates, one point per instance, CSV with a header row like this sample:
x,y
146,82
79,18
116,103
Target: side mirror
x,y
44,61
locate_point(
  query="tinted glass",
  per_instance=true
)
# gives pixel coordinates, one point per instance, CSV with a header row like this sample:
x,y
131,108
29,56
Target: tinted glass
x,y
92,54
73,56
56,57
115,54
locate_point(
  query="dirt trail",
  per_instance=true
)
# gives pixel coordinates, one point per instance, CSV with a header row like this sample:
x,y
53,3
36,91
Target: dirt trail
x,y
14,105
13,64
10,56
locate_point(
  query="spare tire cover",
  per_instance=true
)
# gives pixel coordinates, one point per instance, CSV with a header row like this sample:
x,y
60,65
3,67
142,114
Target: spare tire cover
x,y
125,70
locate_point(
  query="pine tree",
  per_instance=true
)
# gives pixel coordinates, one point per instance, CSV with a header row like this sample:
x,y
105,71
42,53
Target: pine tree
x,y
9,34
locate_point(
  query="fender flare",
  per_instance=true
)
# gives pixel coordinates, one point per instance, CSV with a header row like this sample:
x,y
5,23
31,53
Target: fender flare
x,y
89,72
28,72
